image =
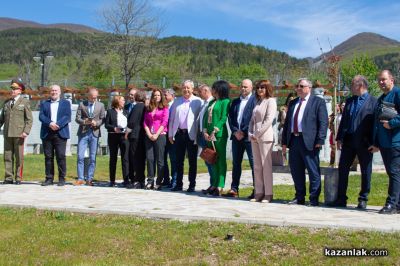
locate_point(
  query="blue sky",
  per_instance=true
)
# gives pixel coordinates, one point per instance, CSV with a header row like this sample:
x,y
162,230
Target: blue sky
x,y
284,25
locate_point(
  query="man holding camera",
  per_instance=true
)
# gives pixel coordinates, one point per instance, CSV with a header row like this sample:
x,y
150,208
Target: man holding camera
x,y
90,116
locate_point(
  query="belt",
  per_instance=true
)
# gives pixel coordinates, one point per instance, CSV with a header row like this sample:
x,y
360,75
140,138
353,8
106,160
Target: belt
x,y
184,130
298,134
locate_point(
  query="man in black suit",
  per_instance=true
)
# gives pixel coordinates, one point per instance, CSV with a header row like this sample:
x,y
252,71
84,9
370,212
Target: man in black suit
x,y
134,134
239,117
304,133
354,138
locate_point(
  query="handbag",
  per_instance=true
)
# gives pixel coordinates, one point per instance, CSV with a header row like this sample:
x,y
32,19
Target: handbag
x,y
387,111
209,155
277,158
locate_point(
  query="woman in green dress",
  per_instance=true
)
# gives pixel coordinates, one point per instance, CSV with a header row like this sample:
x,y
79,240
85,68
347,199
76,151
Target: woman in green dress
x,y
215,130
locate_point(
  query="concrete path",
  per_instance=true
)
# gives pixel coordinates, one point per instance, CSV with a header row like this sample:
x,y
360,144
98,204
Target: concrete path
x,y
192,206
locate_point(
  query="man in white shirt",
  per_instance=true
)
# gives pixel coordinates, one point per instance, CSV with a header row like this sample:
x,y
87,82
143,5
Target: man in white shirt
x,y
182,131
55,115
205,95
239,117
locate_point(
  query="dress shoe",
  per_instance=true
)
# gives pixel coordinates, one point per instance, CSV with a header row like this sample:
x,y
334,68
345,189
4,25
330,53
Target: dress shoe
x,y
231,194
362,204
111,184
61,183
176,189
137,185
158,187
48,182
313,204
18,182
7,182
207,191
297,202
388,209
79,182
89,183
217,192
190,190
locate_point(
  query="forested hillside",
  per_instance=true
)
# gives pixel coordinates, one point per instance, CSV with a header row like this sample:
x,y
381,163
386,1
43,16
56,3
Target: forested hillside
x,y
86,58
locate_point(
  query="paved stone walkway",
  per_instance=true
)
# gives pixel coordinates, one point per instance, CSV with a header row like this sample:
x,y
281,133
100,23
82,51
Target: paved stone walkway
x,y
192,206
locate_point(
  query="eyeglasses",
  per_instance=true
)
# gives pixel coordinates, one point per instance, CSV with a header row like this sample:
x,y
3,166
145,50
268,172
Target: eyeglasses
x,y
301,86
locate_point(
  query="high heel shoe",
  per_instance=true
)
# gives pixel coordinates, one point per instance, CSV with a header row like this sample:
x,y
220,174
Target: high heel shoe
x,y
217,192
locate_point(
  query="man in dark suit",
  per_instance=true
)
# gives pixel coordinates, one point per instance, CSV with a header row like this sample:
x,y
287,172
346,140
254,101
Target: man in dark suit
x,y
90,116
304,133
239,117
354,138
134,134
55,115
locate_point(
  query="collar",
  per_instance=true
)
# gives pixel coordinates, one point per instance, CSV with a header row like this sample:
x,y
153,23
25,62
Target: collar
x,y
364,96
209,99
245,98
306,98
56,101
16,98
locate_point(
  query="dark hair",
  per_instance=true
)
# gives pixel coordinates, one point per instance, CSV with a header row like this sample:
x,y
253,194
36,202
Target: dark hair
x,y
140,96
221,87
153,105
290,97
269,92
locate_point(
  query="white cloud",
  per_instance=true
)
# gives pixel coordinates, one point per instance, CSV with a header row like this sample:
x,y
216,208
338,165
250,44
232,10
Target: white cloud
x,y
305,21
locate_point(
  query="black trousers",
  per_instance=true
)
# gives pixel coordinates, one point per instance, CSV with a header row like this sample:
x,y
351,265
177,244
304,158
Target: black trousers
x,y
391,160
184,143
53,144
137,161
116,141
155,158
347,156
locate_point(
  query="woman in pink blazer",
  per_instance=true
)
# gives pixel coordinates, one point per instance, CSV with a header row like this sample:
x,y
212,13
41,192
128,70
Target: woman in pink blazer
x,y
156,126
261,136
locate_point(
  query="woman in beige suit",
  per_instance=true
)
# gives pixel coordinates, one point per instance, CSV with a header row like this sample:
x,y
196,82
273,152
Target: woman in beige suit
x,y
261,136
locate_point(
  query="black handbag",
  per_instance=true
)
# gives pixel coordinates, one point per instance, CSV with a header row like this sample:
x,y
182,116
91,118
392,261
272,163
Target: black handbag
x,y
387,111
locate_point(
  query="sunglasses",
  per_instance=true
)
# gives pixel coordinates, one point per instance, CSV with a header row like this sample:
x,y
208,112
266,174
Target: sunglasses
x,y
261,87
301,86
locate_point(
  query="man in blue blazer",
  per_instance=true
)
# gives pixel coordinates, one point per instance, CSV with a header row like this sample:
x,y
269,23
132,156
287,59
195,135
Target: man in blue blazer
x,y
239,117
55,115
354,137
304,133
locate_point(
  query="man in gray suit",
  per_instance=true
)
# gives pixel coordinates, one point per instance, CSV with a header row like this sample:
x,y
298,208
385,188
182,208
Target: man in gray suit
x,y
90,116
16,117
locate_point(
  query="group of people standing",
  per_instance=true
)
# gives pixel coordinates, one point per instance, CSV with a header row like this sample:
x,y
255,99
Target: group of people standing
x,y
169,127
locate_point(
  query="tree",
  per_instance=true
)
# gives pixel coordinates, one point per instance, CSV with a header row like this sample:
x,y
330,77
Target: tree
x,y
134,29
362,65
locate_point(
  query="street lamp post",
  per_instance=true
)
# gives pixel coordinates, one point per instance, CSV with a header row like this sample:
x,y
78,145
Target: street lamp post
x,y
41,57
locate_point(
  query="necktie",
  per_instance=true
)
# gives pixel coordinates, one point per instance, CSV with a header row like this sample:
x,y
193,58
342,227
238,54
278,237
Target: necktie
x,y
91,110
354,113
12,103
296,118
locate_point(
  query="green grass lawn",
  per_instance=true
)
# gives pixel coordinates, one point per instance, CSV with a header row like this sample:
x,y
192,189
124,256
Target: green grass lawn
x,y
33,237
